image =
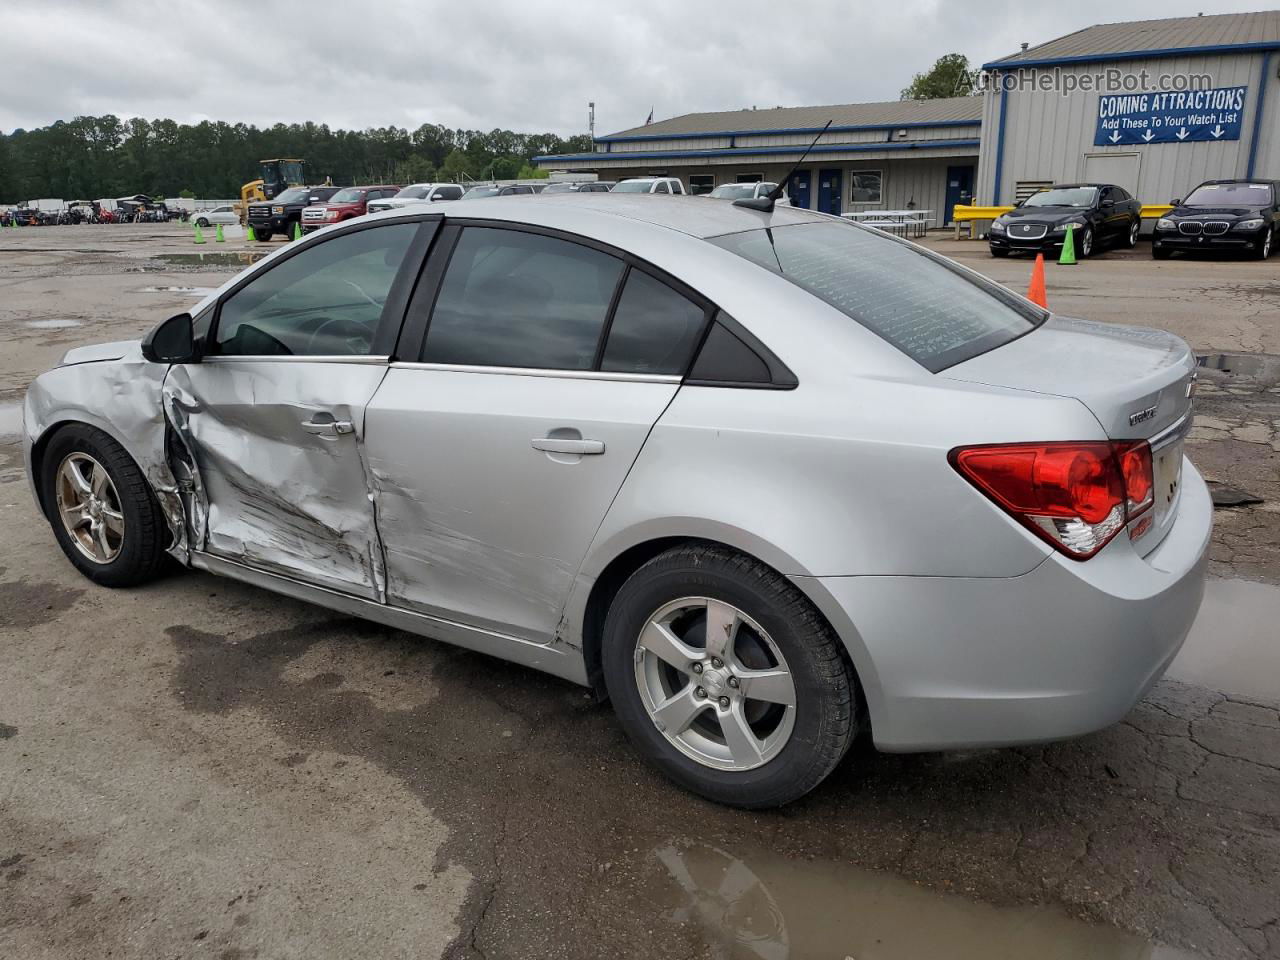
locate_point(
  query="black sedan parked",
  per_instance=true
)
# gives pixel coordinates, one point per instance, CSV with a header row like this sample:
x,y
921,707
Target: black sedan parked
x,y
1101,213
1240,215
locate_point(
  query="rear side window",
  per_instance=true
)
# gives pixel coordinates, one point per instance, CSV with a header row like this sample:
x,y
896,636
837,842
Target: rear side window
x,y
514,299
662,188
925,306
654,329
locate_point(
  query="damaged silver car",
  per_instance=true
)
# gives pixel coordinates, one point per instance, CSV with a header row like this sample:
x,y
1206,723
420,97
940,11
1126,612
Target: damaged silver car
x,y
765,479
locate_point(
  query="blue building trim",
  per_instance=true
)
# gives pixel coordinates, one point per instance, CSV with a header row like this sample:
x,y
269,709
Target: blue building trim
x,y
789,131
1135,55
1257,114
760,151
1004,113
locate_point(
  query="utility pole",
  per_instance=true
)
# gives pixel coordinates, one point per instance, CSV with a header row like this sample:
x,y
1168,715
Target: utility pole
x,y
591,120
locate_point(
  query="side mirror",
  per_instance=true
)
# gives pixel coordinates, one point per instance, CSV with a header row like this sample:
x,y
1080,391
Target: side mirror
x,y
1018,203
1174,202
173,341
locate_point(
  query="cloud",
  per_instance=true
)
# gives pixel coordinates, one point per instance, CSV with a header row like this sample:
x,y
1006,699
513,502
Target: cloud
x,y
518,64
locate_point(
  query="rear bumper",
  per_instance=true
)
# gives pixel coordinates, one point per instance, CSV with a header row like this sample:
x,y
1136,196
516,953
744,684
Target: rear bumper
x,y
1066,649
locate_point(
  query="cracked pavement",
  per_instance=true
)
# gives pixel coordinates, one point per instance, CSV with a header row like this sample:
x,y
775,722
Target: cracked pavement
x,y
201,769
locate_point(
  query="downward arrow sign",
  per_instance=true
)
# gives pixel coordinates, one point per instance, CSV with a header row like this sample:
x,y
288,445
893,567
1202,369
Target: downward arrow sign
x,y
1115,137
1148,136
1182,133
1217,131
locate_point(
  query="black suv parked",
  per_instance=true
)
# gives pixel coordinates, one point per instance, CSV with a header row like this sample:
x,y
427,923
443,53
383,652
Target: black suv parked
x,y
279,215
1100,213
1239,215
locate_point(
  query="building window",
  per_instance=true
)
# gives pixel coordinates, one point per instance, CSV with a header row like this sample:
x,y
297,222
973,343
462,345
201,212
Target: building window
x,y
750,177
864,186
700,183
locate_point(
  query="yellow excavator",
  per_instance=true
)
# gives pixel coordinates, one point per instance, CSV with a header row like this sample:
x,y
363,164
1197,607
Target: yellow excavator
x,y
275,177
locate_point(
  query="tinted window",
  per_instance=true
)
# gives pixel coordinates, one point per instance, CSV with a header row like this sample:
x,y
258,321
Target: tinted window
x,y
662,188
654,329
512,299
1230,195
451,193
323,301
920,303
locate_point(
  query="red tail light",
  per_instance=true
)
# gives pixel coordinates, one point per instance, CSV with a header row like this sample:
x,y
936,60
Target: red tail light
x,y
1077,496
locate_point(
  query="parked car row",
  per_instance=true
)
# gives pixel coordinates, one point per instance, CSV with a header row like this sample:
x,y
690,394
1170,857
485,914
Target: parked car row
x,y
1222,215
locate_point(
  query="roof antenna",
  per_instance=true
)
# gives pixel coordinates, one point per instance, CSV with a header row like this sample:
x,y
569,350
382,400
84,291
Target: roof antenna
x,y
765,204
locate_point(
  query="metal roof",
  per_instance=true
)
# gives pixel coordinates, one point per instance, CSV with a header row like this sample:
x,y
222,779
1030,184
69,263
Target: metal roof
x,y
1155,38
895,113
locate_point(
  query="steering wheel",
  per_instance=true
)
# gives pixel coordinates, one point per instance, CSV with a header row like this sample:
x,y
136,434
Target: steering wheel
x,y
358,339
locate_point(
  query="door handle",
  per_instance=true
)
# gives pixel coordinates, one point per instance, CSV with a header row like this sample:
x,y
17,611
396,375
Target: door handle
x,y
328,428
566,445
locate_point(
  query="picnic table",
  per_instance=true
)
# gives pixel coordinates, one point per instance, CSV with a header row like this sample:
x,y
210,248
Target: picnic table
x,y
912,223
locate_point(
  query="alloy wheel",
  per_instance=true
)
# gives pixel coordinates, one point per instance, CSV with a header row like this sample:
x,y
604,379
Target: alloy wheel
x,y
1086,242
90,508
715,684
1133,233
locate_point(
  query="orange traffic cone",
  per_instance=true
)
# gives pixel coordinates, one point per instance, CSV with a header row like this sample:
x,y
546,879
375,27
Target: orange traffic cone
x,y
1035,292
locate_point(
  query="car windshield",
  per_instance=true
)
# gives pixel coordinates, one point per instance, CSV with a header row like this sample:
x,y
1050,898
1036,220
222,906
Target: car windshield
x,y
633,186
350,195
477,193
292,195
558,188
414,193
1065,197
931,309
733,191
1230,195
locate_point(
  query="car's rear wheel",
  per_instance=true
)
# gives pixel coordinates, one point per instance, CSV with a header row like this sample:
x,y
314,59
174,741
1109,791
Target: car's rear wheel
x,y
1135,228
726,678
102,510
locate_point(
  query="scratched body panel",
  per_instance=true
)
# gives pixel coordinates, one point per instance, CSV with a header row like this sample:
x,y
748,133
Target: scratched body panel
x,y
478,524
278,497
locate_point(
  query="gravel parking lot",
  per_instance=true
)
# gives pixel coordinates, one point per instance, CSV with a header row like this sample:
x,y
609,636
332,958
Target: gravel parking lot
x,y
201,769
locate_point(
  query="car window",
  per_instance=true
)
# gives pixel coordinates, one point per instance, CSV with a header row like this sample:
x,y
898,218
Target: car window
x,y
930,309
654,328
324,301
451,193
677,186
661,187
515,299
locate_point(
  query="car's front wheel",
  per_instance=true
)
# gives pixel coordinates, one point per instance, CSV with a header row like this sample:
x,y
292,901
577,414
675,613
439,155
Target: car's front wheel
x,y
999,252
203,223
1134,229
726,678
102,510
1264,249
1086,242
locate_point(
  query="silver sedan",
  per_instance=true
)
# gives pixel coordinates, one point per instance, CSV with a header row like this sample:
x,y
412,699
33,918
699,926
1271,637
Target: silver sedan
x,y
766,480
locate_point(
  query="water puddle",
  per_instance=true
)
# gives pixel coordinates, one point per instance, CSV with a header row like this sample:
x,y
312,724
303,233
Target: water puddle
x,y
1249,366
243,258
197,291
1234,646
10,422
761,906
54,324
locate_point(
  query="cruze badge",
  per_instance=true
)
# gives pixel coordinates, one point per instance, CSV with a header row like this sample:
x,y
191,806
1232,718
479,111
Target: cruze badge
x,y
1142,416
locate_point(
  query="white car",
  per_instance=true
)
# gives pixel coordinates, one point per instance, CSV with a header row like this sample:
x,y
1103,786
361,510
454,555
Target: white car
x,y
747,191
650,185
225,214
417,193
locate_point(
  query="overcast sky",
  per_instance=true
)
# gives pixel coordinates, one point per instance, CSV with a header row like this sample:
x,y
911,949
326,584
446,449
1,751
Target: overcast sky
x,y
524,65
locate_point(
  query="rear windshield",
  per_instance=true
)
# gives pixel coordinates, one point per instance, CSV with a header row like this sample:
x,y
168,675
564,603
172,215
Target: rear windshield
x,y
414,193
929,308
350,195
634,186
293,195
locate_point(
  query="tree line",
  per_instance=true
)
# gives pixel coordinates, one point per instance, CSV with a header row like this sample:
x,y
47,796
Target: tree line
x,y
93,157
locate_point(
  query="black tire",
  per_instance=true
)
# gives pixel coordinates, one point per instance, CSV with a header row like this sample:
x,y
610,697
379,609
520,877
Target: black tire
x,y
998,252
202,223
262,236
1084,250
825,692
1135,228
141,556
1158,254
1265,247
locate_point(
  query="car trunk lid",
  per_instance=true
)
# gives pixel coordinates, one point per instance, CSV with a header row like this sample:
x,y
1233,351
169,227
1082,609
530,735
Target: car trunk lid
x,y
1135,380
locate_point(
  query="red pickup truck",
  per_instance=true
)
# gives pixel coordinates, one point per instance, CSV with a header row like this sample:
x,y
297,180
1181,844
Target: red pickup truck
x,y
347,203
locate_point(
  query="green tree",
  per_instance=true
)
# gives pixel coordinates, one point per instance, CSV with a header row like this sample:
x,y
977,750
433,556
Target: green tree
x,y
949,76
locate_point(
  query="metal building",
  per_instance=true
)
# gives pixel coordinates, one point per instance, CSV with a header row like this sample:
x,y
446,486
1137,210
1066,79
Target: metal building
x,y
1040,125
904,154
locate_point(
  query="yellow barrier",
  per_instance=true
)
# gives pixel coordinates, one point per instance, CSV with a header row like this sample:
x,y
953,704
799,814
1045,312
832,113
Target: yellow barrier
x,y
967,214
